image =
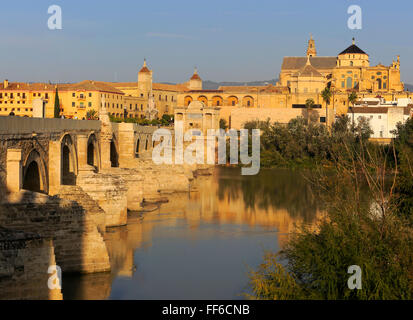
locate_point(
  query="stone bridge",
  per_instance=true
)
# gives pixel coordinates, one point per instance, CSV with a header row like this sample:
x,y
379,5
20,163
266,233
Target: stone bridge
x,y
66,181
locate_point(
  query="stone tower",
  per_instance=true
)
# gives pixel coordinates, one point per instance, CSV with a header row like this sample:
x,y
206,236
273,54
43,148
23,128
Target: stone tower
x,y
145,79
195,83
311,50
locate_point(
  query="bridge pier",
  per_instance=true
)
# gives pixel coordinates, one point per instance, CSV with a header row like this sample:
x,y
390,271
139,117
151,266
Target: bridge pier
x,y
14,170
54,167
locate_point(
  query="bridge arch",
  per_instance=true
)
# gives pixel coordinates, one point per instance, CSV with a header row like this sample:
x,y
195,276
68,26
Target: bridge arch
x,y
114,153
34,173
137,147
93,154
68,163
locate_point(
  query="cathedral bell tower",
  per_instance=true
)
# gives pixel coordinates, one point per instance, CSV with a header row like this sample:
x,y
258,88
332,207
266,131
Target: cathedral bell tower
x,y
311,50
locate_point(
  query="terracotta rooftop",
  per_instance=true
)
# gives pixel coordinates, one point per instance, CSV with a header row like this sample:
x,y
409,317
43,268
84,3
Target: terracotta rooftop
x,y
406,110
144,70
169,87
28,86
86,85
195,76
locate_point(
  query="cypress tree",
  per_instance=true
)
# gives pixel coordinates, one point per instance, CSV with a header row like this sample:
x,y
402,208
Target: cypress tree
x,y
56,105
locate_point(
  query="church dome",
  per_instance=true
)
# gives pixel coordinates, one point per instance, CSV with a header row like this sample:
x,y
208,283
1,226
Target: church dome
x,y
195,76
144,68
353,49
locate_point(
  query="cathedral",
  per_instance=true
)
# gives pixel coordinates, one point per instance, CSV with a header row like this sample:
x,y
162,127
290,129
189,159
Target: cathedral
x,y
301,78
350,70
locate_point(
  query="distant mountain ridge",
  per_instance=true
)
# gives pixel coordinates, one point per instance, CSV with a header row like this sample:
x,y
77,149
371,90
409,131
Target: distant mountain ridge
x,y
212,85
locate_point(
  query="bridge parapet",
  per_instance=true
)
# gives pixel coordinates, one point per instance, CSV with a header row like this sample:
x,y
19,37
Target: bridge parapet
x,y
19,125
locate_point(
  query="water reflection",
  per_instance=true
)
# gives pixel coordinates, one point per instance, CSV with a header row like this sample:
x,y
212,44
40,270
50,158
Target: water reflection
x,y
199,245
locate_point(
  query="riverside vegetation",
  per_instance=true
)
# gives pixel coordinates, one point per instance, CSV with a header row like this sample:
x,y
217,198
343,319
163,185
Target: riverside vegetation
x,y
367,195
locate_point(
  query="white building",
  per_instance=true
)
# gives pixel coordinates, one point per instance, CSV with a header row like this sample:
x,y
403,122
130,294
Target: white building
x,y
382,119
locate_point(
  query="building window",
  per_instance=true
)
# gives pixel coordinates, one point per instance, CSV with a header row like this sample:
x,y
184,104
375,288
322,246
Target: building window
x,y
379,117
73,94
73,104
90,94
90,104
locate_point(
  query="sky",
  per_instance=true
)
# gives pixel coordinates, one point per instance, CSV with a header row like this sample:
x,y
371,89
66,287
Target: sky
x,y
228,40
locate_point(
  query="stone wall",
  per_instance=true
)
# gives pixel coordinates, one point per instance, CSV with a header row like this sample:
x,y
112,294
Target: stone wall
x,y
20,125
24,262
78,245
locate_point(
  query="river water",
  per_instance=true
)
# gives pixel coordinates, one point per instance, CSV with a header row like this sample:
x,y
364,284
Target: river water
x,y
200,245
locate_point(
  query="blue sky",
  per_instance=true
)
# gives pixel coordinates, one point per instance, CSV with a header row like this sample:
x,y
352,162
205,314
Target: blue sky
x,y
227,40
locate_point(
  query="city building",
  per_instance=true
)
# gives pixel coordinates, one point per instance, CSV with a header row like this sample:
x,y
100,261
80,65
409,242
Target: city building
x,y
301,78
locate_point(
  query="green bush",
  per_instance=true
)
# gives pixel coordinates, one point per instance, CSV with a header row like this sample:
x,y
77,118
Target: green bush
x,y
367,222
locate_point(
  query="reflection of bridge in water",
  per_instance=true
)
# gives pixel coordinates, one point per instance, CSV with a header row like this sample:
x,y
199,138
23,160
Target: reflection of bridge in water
x,y
63,182
224,199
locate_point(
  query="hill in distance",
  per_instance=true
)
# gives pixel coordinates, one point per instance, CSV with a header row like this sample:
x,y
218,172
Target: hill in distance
x,y
212,85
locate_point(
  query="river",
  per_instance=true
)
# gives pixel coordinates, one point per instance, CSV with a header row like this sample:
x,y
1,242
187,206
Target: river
x,y
200,245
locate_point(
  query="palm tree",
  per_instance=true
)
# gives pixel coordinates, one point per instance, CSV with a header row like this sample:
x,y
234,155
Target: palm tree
x,y
352,98
326,95
309,104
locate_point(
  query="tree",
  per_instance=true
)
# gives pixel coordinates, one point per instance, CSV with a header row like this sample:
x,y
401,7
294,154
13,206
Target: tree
x,y
56,105
352,98
357,228
326,95
309,104
223,124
